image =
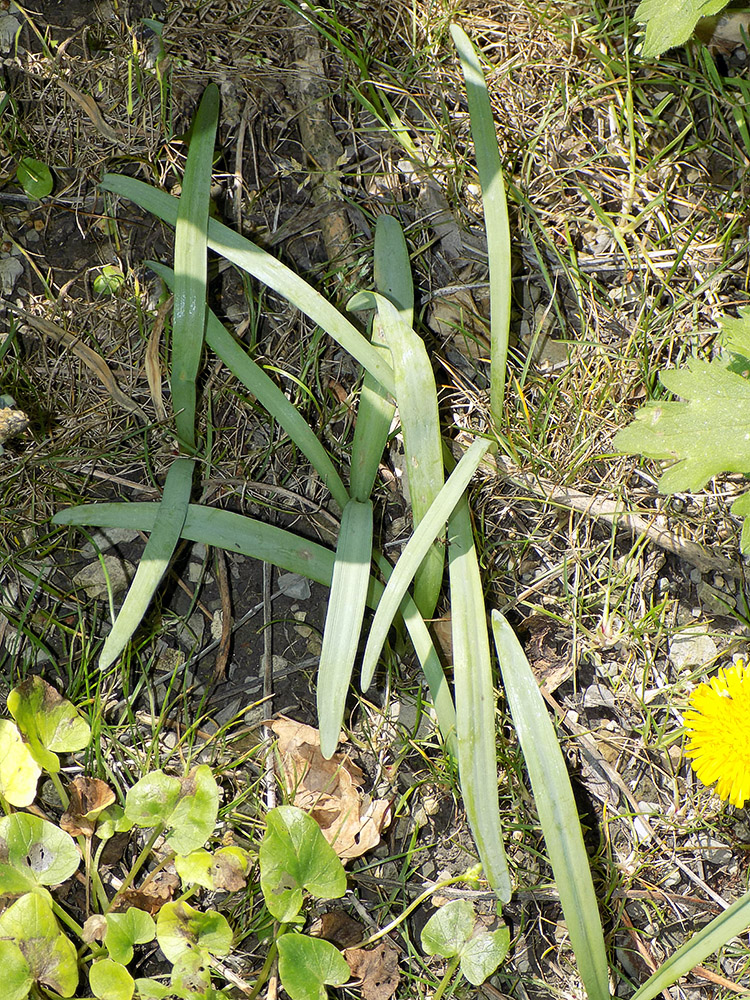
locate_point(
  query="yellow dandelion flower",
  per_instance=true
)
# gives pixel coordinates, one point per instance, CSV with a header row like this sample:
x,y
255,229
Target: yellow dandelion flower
x,y
718,725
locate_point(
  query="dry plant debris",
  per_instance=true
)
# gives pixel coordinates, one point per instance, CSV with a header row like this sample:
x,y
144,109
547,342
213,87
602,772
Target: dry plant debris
x,y
330,790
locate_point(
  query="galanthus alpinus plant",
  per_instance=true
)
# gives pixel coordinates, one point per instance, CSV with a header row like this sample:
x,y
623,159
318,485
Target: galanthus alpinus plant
x,y
397,370
48,947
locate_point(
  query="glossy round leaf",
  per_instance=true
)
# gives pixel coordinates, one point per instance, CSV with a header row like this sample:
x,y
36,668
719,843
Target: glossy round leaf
x,y
294,855
151,800
446,932
307,965
111,981
126,929
34,177
482,954
17,978
194,816
50,723
224,870
50,956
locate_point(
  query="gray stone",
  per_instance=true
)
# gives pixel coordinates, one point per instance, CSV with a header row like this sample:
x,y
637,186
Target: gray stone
x,y
294,586
692,647
713,851
107,538
92,580
598,696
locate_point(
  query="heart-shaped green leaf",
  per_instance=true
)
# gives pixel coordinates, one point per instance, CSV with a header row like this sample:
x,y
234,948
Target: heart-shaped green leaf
x,y
448,930
294,855
39,851
307,965
126,929
50,723
34,177
19,772
189,806
179,926
194,816
50,956
17,978
224,870
453,931
151,801
482,954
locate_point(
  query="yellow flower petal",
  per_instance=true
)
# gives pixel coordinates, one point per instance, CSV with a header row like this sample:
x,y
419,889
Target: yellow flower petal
x,y
718,726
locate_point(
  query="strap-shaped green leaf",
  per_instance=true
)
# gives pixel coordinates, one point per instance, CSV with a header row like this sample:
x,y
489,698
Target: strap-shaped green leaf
x,y
238,533
265,268
416,395
191,266
156,557
343,625
732,922
475,701
268,395
557,810
375,410
428,529
495,207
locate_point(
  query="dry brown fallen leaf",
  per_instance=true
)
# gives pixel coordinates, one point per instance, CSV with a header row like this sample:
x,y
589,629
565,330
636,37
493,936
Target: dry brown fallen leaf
x,y
377,968
329,790
88,796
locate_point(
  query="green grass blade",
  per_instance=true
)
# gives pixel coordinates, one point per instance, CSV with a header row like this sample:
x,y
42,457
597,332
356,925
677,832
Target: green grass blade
x,y
495,216
343,625
416,395
268,395
475,701
265,268
431,525
165,534
732,922
191,265
557,810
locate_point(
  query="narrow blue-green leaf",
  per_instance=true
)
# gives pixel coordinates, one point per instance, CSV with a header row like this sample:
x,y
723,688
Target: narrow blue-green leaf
x,y
416,395
475,701
268,395
392,267
731,923
495,216
343,625
374,418
219,528
165,534
557,810
191,265
375,411
428,529
265,268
